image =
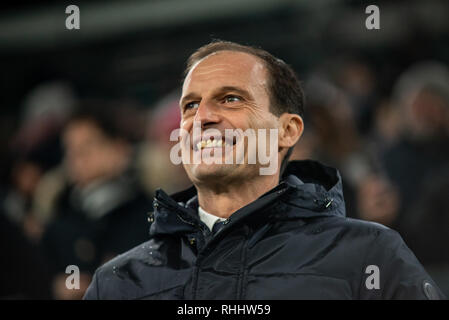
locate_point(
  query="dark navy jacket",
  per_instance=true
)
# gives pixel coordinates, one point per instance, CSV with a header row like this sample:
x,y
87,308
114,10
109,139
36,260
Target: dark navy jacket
x,y
294,242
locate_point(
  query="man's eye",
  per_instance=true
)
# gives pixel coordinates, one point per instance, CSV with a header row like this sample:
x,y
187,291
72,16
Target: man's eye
x,y
231,99
192,105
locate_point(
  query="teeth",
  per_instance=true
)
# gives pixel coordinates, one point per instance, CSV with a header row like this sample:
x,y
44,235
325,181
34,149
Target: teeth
x,y
212,144
209,144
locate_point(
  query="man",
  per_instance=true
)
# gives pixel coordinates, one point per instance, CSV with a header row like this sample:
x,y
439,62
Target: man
x,y
283,236
99,213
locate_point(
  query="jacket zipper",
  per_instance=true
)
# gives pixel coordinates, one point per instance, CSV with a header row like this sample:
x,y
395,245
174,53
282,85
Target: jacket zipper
x,y
243,272
195,271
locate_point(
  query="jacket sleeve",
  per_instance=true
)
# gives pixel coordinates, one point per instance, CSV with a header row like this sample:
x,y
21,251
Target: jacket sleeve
x,y
401,275
92,292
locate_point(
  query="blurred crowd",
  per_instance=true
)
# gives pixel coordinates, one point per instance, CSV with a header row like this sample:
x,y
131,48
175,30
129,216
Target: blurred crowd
x,y
80,173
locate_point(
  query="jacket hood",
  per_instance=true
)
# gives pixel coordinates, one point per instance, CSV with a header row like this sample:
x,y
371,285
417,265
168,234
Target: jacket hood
x,y
307,189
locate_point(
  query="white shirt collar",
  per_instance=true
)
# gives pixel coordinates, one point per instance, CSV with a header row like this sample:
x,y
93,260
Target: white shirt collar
x,y
207,218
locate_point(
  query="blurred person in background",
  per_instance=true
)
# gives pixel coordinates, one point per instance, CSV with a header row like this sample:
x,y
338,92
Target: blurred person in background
x,y
422,94
35,149
418,164
101,212
355,77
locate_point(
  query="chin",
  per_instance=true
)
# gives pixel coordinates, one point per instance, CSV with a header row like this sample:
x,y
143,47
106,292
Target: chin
x,y
211,171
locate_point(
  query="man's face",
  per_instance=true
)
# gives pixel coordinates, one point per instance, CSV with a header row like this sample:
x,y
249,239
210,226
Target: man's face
x,y
90,154
225,90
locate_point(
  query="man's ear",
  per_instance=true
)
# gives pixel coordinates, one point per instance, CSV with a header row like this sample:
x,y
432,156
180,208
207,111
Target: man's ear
x,y
291,127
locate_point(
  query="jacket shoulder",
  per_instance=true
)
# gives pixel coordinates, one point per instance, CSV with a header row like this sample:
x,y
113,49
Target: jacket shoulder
x,y
382,235
367,235
365,225
401,274
112,275
362,227
135,253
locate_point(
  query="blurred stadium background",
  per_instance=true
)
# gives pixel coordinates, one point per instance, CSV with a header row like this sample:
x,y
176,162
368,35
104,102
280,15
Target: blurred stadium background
x,y
86,116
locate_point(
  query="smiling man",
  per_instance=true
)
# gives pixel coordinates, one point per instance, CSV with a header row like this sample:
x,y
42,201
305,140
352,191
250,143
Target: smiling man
x,y
225,91
240,234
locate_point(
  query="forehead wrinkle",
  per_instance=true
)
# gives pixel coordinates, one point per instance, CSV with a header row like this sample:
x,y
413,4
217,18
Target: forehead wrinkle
x,y
229,65
214,68
255,73
255,67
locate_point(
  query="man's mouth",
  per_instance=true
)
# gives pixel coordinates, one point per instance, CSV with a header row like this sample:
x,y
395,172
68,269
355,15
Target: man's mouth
x,y
214,143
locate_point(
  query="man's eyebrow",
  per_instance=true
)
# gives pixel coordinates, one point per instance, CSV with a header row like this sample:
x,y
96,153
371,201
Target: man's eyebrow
x,y
190,96
221,90
238,90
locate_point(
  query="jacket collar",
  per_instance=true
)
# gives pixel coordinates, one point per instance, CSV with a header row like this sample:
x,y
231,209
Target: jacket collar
x,y
319,190
307,185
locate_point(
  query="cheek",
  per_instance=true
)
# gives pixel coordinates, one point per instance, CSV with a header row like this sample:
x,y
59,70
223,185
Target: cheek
x,y
186,127
258,114
185,133
263,121
185,124
77,161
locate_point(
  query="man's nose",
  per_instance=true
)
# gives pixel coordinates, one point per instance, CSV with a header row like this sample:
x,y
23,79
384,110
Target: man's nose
x,y
206,114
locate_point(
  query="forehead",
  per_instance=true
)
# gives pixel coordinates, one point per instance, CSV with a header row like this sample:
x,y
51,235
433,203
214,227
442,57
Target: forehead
x,y
82,128
227,68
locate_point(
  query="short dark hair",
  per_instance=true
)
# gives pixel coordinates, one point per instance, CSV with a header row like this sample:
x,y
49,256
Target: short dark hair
x,y
285,90
103,114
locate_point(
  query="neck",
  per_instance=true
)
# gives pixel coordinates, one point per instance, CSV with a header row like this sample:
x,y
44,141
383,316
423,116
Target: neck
x,y
223,201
